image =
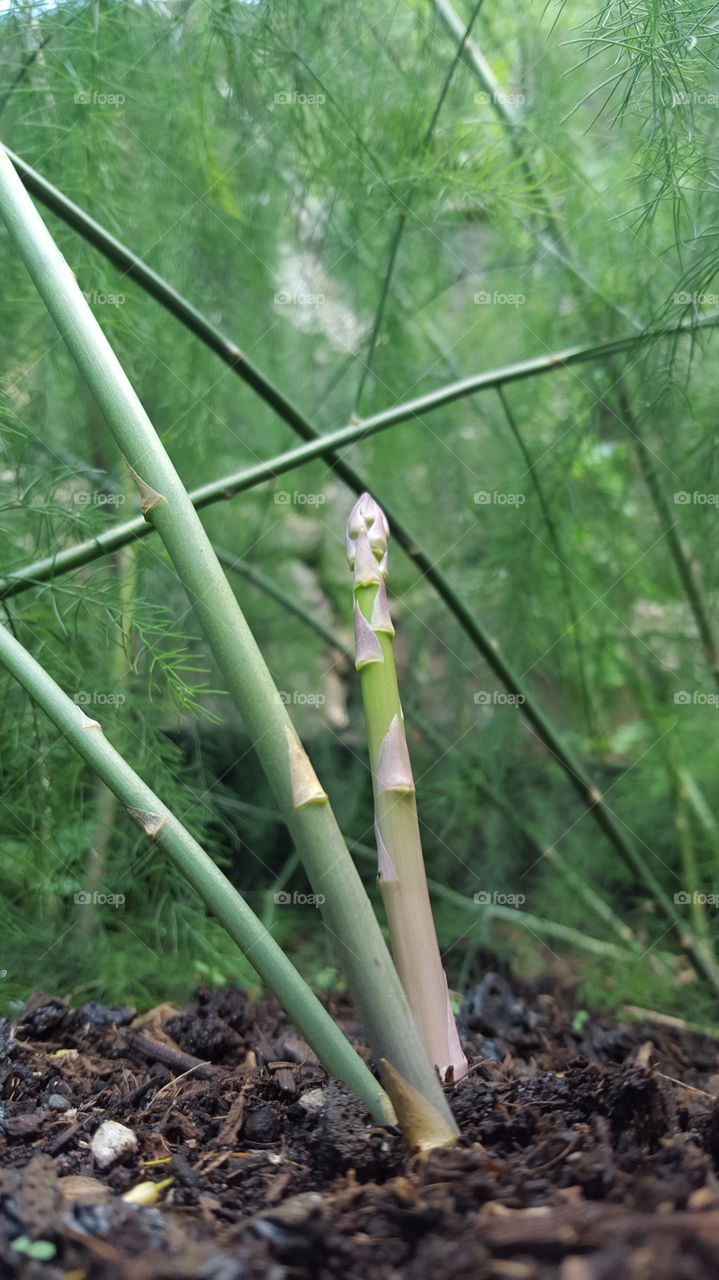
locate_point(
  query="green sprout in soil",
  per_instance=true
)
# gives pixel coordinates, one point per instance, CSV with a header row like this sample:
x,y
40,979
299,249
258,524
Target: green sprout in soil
x,y
400,874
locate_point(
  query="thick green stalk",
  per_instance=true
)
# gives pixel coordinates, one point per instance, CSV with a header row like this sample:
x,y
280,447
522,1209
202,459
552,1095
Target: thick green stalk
x,y
389,1024
164,830
401,876
235,564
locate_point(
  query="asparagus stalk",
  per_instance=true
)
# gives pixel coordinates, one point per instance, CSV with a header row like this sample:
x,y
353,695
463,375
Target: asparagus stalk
x,y
230,908
400,875
391,1030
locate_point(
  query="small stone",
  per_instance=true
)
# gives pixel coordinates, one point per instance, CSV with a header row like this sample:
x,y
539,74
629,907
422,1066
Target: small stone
x,y
112,1142
57,1102
262,1125
313,1100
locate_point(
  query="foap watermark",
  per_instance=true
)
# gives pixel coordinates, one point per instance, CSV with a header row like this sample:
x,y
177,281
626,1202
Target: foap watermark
x,y
284,499
284,299
85,898
483,498
496,299
84,699
98,299
495,698
695,698
500,99
686,899
95,99
285,899
696,99
683,499
293,99
298,699
494,897
683,299
89,498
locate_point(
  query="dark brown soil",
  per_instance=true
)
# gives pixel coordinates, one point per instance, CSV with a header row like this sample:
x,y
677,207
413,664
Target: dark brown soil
x,y
585,1154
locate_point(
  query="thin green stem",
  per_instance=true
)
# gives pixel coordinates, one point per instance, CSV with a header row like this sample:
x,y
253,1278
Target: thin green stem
x,y
324,446
552,531
406,205
164,830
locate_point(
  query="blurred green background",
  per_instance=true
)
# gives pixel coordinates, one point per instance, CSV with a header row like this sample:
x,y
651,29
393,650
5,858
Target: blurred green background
x,y
369,219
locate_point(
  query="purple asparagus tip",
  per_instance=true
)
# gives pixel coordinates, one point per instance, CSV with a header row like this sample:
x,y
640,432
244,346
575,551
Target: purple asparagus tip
x,y
367,527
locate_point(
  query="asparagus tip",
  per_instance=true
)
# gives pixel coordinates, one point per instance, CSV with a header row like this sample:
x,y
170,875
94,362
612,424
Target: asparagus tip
x,y
367,526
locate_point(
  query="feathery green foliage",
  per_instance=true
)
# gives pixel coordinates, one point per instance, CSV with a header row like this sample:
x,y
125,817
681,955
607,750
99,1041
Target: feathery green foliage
x,y
275,212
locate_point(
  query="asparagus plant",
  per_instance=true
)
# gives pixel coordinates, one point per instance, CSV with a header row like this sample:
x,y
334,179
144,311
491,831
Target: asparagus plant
x,y
400,875
164,830
612,827
390,1026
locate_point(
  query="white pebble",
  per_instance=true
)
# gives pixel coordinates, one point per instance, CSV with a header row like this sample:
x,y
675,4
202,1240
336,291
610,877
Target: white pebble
x,y
313,1100
112,1142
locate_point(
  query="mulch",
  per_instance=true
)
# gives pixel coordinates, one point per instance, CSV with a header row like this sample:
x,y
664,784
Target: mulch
x,y
588,1151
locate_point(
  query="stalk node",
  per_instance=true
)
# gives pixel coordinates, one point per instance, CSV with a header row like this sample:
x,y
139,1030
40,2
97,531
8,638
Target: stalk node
x,y
306,786
149,497
394,771
151,823
367,646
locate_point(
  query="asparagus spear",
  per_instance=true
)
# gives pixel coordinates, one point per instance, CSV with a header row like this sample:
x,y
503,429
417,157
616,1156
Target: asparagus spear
x,y
401,875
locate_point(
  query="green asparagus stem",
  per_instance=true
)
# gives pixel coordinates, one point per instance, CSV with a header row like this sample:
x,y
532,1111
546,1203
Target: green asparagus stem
x,y
401,875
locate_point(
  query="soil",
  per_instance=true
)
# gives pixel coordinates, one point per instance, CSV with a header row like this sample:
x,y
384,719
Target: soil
x,y
588,1149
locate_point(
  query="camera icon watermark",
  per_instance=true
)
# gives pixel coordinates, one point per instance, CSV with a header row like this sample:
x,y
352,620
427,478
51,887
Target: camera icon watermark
x,y
683,99
484,498
684,299
283,299
83,898
291,99
695,698
89,498
296,698
97,299
284,499
497,299
500,99
84,699
496,698
686,899
285,899
493,897
84,99
683,499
